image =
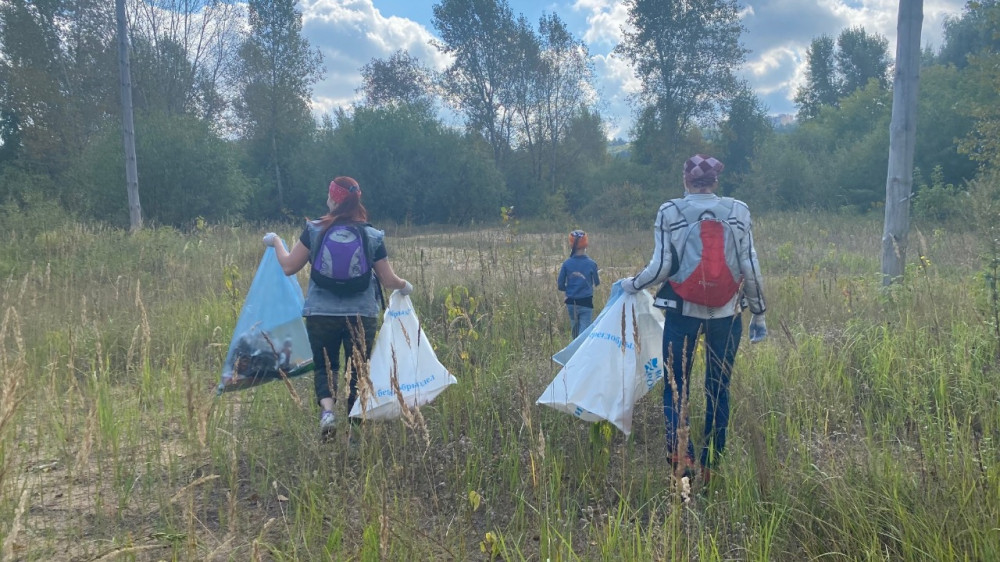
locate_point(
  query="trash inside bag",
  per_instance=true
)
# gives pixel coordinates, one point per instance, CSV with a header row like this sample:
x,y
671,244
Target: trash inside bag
x,y
403,367
270,340
614,366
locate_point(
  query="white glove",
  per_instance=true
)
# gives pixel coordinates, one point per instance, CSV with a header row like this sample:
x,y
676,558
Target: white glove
x,y
758,329
407,288
270,239
628,286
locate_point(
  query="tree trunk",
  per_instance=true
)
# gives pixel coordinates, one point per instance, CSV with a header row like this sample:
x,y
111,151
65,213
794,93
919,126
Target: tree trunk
x,y
128,129
902,138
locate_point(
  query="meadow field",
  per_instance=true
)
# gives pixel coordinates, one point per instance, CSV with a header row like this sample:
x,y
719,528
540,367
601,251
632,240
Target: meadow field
x,y
866,427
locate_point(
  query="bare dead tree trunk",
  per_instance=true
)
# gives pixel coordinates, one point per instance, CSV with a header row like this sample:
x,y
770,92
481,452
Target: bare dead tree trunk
x,y
128,129
902,138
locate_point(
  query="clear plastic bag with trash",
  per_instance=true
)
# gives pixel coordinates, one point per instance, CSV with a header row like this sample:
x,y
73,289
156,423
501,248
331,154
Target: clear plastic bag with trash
x,y
270,341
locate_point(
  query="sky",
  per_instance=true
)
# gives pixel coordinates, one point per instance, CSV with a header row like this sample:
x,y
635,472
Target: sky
x,y
350,33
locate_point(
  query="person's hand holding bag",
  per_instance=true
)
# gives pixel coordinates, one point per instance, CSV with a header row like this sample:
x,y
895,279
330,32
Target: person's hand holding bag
x,y
628,286
407,288
758,329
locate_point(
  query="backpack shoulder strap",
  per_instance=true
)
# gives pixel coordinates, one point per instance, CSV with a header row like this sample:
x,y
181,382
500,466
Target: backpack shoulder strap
x,y
729,204
379,292
362,229
316,242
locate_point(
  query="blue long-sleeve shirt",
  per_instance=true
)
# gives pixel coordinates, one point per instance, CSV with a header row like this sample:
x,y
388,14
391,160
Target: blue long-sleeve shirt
x,y
578,277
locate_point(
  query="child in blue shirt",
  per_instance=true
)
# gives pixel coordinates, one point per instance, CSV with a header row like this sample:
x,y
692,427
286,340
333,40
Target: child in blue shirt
x,y
577,278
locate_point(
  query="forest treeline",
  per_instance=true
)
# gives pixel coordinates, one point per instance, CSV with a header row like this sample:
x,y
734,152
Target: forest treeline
x,y
225,128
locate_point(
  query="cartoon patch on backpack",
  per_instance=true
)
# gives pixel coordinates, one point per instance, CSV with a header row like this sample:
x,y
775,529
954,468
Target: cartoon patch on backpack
x,y
708,268
340,261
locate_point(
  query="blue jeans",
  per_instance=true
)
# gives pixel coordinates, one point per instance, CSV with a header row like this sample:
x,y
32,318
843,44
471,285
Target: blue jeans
x,y
722,339
579,317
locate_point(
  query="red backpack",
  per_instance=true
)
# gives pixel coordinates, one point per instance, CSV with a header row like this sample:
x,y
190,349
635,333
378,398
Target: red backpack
x,y
706,268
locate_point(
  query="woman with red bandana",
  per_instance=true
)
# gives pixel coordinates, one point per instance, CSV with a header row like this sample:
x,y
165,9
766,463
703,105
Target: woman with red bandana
x,y
335,320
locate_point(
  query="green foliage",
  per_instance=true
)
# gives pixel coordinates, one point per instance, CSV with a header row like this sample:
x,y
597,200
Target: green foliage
x,y
785,176
939,200
943,119
832,74
822,87
834,161
185,171
982,143
971,33
399,79
414,169
20,188
625,205
686,55
861,58
741,134
491,53
60,72
276,70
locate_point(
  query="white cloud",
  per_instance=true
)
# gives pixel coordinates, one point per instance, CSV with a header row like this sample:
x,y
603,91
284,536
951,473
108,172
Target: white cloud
x,y
350,33
604,22
780,31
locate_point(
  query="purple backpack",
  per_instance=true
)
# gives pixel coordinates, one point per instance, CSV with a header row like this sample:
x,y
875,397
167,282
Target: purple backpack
x,y
340,262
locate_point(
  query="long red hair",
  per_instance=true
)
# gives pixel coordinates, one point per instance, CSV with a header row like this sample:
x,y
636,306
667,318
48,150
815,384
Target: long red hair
x,y
350,210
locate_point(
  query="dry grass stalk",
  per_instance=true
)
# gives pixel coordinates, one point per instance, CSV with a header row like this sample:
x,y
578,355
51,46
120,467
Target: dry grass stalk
x,y
282,373
358,363
24,283
7,553
118,552
183,491
526,403
12,322
256,556
87,441
12,385
680,400
541,445
10,396
204,413
635,333
147,338
131,349
412,417
383,532
683,427
622,340
231,495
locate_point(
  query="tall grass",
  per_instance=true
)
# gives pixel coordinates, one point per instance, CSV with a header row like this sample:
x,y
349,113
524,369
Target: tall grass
x,y
865,427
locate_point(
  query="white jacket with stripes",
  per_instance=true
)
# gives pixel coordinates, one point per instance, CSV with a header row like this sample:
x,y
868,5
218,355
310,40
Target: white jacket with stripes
x,y
669,229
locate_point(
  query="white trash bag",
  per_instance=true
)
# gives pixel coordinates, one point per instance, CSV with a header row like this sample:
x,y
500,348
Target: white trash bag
x,y
420,376
565,353
608,373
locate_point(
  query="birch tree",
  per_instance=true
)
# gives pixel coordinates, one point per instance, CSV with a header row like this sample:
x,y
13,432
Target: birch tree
x,y
902,139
